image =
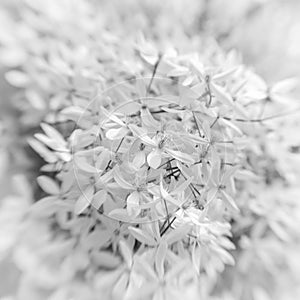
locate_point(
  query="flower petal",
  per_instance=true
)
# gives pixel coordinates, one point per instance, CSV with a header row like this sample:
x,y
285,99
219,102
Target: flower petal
x,y
133,204
154,158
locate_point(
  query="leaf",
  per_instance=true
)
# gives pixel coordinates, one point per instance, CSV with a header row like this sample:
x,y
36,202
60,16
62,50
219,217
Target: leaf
x,y
176,270
285,86
154,158
103,159
73,112
35,99
46,206
196,257
44,152
120,214
224,75
226,123
245,174
133,204
99,198
17,78
49,142
84,200
121,181
229,173
148,120
188,80
13,56
225,256
142,236
82,164
120,287
116,134
187,95
229,200
68,179
126,252
147,51
182,186
48,168
207,130
114,118
53,134
142,134
145,268
183,157
158,102
141,86
221,94
160,258
96,239
259,293
178,71
48,185
212,194
139,159
178,234
279,231
105,259
241,111
129,107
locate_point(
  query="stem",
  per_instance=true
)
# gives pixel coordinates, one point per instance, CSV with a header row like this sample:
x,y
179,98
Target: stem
x,y
196,123
264,119
169,225
153,74
116,151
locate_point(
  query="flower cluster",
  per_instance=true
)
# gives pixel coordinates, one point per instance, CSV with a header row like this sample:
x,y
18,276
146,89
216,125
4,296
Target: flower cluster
x,y
160,166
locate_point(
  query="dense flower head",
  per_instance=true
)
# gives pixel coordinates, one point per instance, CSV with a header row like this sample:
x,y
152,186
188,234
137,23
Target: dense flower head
x,y
158,164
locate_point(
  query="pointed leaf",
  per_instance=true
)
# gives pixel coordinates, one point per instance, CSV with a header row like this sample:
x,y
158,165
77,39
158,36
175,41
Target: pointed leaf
x,y
160,258
229,201
99,198
121,181
48,185
178,234
133,204
154,158
84,200
116,134
183,157
53,133
142,236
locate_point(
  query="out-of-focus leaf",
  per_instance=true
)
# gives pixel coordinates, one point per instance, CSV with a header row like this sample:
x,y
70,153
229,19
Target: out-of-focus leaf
x,y
53,133
44,152
48,185
84,200
133,204
229,201
17,79
160,256
105,259
178,234
82,164
142,236
121,181
126,252
99,198
154,158
183,157
116,134
221,94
